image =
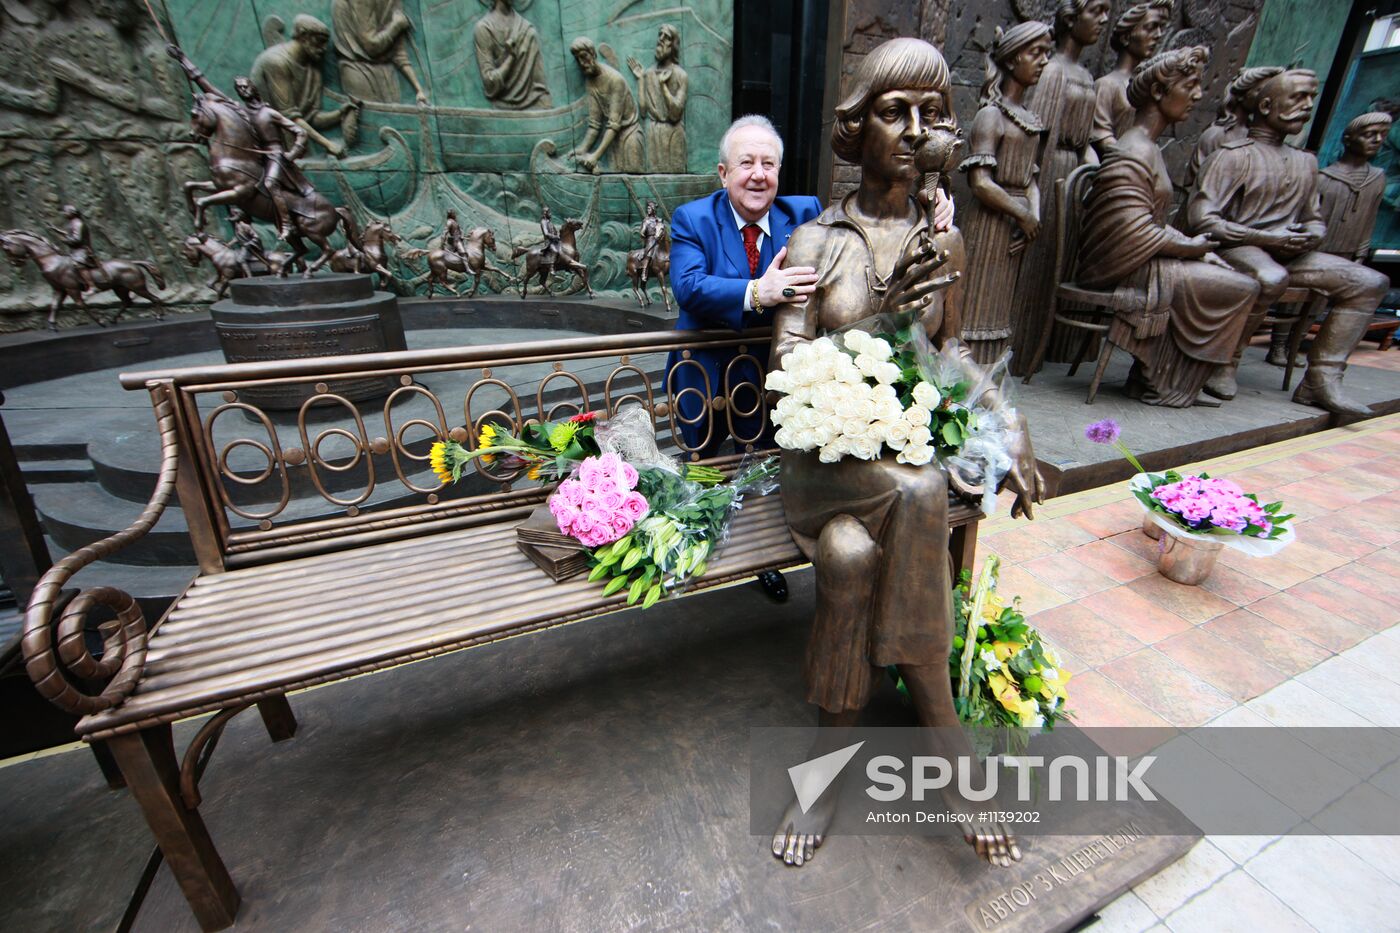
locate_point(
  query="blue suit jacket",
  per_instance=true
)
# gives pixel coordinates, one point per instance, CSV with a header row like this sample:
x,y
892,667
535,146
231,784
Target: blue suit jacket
x,y
709,273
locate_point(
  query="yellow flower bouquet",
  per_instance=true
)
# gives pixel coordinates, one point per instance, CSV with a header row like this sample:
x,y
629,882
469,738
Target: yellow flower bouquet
x,y
1004,676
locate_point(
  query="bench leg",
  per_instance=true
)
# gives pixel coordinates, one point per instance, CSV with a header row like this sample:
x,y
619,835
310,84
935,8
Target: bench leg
x,y
108,764
962,547
152,772
278,717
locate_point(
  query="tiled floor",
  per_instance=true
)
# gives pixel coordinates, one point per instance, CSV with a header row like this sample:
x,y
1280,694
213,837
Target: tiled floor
x,y
1280,641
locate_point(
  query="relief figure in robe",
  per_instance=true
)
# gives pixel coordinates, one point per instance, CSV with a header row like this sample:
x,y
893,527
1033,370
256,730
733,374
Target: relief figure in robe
x,y
1195,305
662,92
508,54
371,42
289,73
613,131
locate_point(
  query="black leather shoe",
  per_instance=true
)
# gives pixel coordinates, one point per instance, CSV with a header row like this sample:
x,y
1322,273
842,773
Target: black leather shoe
x,y
774,585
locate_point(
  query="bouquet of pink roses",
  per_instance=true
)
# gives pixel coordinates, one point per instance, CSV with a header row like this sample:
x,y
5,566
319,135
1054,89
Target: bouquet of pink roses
x,y
600,502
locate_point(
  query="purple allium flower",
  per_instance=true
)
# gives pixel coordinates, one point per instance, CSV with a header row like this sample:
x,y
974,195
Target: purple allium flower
x,y
1103,432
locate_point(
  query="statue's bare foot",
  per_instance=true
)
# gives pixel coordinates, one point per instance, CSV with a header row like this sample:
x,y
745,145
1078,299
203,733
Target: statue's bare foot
x,y
994,843
799,834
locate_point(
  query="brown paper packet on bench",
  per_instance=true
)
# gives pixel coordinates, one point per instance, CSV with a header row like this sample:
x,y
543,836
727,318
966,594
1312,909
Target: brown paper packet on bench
x,y
541,529
560,563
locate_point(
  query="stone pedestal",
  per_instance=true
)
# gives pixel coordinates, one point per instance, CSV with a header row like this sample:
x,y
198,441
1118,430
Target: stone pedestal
x,y
271,318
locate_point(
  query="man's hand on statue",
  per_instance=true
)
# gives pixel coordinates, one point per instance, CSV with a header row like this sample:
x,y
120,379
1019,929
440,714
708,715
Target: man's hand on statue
x,y
336,150
776,283
1215,260
1028,489
634,66
942,212
421,97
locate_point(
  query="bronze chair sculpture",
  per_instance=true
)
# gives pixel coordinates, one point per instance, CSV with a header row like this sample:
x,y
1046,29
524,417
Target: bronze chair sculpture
x,y
877,530
1005,146
1186,315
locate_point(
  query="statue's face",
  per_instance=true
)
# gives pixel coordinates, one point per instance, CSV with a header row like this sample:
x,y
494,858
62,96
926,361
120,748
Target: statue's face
x,y
1147,35
1029,63
1088,25
587,62
750,171
665,48
1180,98
245,89
314,45
1368,142
895,125
1286,102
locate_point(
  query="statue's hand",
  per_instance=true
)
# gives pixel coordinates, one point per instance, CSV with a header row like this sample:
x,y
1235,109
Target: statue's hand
x,y
634,66
913,282
1024,479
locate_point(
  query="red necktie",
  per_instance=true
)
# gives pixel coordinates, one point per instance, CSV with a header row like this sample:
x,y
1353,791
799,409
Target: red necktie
x,y
751,234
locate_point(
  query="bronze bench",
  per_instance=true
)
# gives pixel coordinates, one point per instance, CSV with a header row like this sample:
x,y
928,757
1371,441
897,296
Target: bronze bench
x,y
267,613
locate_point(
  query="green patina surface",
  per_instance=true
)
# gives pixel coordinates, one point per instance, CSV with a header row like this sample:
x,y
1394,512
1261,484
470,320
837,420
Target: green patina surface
x,y
496,167
1303,33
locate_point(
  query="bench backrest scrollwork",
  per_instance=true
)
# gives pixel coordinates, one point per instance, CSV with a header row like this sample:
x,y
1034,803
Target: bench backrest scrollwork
x,y
258,485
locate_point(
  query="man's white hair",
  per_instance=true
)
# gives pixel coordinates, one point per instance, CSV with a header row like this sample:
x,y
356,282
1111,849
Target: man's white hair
x,y
751,119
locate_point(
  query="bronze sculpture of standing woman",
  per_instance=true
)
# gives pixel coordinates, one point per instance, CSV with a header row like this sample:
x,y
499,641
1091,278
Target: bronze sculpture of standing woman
x,y
1064,101
877,530
1006,144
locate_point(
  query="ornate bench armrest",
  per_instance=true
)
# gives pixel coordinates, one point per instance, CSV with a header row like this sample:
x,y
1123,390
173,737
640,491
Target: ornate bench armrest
x,y
55,650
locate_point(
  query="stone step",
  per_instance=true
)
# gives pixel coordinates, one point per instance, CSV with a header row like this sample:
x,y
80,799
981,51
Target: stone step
x,y
75,470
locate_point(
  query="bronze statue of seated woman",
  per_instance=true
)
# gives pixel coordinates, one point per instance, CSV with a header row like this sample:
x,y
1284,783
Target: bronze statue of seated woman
x,y
877,530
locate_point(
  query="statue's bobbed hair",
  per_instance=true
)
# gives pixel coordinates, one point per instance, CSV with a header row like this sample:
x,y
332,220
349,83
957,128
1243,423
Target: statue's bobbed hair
x,y
1166,69
899,64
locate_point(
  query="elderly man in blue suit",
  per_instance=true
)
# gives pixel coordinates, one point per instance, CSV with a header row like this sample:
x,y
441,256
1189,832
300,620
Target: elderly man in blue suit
x,y
727,253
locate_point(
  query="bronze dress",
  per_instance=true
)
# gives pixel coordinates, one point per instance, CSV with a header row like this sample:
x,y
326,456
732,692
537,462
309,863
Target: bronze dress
x,y
896,609
1194,312
1113,115
1064,100
990,278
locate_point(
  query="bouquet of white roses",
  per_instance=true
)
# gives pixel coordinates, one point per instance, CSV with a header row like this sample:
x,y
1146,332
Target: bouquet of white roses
x,y
847,401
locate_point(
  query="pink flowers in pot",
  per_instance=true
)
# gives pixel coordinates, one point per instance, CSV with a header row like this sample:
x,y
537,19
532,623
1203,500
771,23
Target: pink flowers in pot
x,y
1203,503
599,503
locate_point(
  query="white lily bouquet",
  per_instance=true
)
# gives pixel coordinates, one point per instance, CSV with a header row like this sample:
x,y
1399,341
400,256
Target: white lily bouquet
x,y
879,385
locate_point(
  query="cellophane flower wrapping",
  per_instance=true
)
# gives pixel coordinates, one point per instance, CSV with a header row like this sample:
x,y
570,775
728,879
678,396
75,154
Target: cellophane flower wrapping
x,y
1203,508
685,521
879,385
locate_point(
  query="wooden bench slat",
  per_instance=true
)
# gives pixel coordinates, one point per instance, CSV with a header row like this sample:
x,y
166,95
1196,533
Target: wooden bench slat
x,y
385,614
230,675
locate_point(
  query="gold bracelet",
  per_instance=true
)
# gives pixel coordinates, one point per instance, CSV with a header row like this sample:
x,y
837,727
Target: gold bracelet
x,y
756,306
